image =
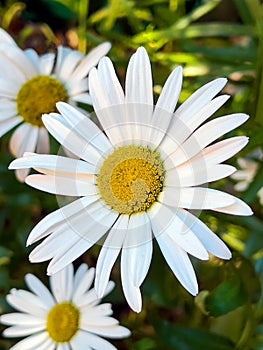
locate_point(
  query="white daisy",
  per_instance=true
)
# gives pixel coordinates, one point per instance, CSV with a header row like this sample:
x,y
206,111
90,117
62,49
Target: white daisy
x,y
137,178
30,85
69,318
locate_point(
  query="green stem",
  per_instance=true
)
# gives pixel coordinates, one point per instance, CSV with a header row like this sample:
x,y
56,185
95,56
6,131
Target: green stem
x,y
256,11
82,25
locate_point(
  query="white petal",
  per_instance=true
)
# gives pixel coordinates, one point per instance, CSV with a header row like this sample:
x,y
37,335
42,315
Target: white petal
x,y
91,342
171,91
7,110
222,150
90,60
132,293
138,84
33,58
62,166
164,220
34,306
209,240
81,97
32,342
46,63
23,139
5,37
109,253
68,64
22,331
180,129
8,124
137,247
189,174
84,127
110,83
76,87
43,141
195,198
89,300
8,88
90,226
17,55
203,136
79,275
54,220
112,117
84,285
68,137
109,332
199,99
179,263
237,208
66,186
40,289
61,284
21,319
11,72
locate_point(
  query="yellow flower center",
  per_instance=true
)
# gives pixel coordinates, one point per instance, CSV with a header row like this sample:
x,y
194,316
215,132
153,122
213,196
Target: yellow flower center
x,y
37,96
62,322
131,178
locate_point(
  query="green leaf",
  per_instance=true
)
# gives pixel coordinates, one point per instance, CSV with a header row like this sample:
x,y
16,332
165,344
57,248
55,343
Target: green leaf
x,y
173,337
226,297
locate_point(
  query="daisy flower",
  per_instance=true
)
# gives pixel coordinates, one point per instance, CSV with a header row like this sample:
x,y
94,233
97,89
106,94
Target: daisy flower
x,y
70,317
138,177
30,85
246,174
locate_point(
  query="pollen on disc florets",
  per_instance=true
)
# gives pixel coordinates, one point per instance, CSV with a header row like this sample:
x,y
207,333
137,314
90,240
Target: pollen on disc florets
x,y
37,96
62,322
131,179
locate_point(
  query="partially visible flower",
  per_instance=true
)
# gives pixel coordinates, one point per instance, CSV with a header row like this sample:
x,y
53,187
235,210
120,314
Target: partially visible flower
x,y
138,177
68,317
30,85
247,173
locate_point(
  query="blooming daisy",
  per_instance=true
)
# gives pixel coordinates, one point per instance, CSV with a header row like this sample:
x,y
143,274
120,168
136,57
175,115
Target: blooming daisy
x,y
69,318
30,85
137,177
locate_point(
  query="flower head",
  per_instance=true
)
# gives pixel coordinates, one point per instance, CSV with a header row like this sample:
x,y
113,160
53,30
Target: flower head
x,y
68,317
32,84
137,177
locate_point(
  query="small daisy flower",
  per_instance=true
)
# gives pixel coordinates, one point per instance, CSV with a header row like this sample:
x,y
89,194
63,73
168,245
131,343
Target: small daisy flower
x,y
138,177
70,317
30,85
246,174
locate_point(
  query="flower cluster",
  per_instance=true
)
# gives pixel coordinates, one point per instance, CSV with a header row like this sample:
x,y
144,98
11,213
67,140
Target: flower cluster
x,y
136,176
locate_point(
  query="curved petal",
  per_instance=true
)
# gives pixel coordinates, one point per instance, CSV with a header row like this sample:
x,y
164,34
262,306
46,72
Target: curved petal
x,y
209,240
132,293
32,342
39,289
137,247
109,253
237,208
195,198
166,221
90,60
179,263
61,284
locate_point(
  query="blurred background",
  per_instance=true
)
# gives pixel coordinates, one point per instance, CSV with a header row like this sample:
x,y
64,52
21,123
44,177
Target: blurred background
x,y
210,39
